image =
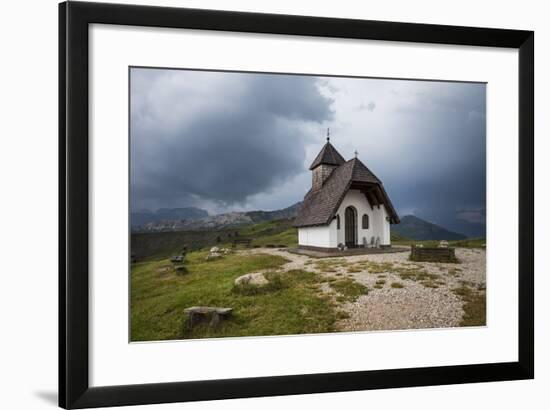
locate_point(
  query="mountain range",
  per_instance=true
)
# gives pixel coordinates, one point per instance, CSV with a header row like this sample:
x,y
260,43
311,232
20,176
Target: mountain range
x,y
413,227
193,219
189,219
145,217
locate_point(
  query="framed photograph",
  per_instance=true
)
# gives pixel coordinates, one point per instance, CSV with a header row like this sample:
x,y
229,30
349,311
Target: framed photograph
x,y
257,204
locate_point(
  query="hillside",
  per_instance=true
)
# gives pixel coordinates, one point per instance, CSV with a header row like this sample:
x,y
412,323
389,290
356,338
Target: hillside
x,y
418,229
286,213
158,245
145,217
216,222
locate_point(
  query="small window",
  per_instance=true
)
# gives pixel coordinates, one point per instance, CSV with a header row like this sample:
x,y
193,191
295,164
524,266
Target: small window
x,y
337,221
365,221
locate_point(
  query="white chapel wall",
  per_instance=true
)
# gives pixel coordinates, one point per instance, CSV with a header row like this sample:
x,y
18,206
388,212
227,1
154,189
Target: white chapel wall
x,y
333,233
383,228
378,225
329,236
314,236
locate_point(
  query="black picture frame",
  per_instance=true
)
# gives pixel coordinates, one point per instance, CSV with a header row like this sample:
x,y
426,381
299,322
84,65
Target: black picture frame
x,y
74,388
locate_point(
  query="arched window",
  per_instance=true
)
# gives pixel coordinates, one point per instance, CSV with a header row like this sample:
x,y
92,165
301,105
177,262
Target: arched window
x,y
365,221
337,221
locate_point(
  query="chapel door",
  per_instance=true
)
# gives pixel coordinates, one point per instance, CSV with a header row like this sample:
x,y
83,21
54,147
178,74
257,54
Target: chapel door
x,y
351,227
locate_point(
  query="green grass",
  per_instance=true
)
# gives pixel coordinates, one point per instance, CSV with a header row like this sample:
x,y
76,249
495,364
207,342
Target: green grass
x,y
161,245
395,237
374,267
159,297
397,285
475,309
469,243
428,280
330,265
416,275
276,233
348,289
462,243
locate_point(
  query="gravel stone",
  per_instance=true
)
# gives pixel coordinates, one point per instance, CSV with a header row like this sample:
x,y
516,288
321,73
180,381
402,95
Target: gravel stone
x,y
414,306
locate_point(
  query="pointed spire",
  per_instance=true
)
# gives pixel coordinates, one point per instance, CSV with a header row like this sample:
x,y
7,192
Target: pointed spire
x,y
328,155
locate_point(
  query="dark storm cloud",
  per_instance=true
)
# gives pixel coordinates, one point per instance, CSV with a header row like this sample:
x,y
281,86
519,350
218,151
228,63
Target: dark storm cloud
x,y
474,215
226,141
440,173
219,137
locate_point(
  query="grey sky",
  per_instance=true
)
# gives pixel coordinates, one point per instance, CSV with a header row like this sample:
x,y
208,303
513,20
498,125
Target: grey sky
x,y
238,141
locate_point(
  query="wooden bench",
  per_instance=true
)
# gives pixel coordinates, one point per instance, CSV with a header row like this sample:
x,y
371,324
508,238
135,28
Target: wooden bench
x,y
245,241
206,314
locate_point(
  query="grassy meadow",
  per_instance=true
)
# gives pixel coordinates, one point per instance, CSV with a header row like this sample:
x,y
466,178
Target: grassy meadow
x,y
478,243
276,233
292,304
159,296
161,245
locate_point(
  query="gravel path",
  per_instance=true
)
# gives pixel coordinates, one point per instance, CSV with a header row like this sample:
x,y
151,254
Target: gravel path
x,y
426,299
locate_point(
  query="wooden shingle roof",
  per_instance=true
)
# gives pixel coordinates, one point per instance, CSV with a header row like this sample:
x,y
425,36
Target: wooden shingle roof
x,y
320,206
328,155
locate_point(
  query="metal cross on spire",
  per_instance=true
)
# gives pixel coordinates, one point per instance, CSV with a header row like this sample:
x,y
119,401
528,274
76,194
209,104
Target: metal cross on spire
x,y
328,134
356,153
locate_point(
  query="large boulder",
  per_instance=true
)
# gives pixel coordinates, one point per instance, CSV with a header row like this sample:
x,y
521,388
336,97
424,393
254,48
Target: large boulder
x,y
206,314
213,256
254,279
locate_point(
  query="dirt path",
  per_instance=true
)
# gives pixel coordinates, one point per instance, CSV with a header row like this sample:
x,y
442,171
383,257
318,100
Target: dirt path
x,y
401,294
